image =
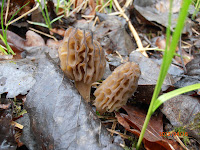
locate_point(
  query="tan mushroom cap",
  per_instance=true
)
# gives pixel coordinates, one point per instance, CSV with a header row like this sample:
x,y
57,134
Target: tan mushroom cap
x,y
114,92
82,59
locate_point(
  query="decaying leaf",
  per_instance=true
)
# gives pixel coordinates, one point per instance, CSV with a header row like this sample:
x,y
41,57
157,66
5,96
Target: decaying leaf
x,y
7,140
69,122
157,11
181,111
193,74
133,122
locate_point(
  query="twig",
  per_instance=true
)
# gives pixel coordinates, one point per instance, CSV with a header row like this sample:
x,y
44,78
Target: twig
x,y
104,5
137,38
7,9
119,133
76,9
95,21
195,31
50,36
113,127
180,142
17,125
115,13
181,54
128,2
33,9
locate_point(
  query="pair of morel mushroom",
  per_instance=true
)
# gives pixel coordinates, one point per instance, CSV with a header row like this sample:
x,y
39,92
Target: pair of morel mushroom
x,y
82,60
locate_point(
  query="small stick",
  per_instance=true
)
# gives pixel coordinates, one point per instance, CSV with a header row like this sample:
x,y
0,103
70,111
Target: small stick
x,y
119,133
17,125
95,21
33,9
136,36
50,36
180,142
195,31
7,9
115,13
104,5
127,3
180,51
113,127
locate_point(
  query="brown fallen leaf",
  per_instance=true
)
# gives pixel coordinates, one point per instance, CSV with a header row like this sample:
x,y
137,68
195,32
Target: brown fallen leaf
x,y
152,140
19,44
33,39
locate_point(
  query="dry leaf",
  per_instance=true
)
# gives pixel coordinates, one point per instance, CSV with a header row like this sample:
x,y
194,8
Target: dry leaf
x,y
135,119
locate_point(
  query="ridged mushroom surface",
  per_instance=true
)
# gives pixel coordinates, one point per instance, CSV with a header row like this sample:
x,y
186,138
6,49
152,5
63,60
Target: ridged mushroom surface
x,y
114,92
82,59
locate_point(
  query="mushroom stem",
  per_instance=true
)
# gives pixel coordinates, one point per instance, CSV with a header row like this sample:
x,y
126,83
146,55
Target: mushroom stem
x,y
84,89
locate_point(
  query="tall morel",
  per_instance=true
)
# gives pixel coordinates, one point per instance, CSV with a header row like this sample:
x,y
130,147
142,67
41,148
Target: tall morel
x,y
82,59
114,92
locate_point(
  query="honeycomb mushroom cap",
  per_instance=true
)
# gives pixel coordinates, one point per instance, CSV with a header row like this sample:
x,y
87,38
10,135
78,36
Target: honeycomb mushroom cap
x,y
82,59
114,92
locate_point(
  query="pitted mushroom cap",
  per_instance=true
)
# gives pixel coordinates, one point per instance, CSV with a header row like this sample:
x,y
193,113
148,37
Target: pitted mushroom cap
x,y
114,92
82,59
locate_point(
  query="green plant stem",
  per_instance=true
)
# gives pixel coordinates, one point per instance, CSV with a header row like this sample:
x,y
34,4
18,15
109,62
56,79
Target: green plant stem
x,y
4,33
57,6
167,59
47,15
111,3
197,5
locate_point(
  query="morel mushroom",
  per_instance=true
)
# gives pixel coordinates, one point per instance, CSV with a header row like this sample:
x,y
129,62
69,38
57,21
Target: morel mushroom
x,y
82,59
114,92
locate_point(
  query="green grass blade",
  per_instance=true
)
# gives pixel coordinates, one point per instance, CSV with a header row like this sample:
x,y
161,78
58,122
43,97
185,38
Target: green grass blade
x,y
2,27
167,59
111,5
161,99
57,6
38,24
43,14
47,14
2,49
17,12
55,19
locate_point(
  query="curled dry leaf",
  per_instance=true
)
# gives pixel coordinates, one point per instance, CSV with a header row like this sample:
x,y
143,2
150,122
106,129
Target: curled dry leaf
x,y
152,139
82,59
34,39
114,92
59,117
